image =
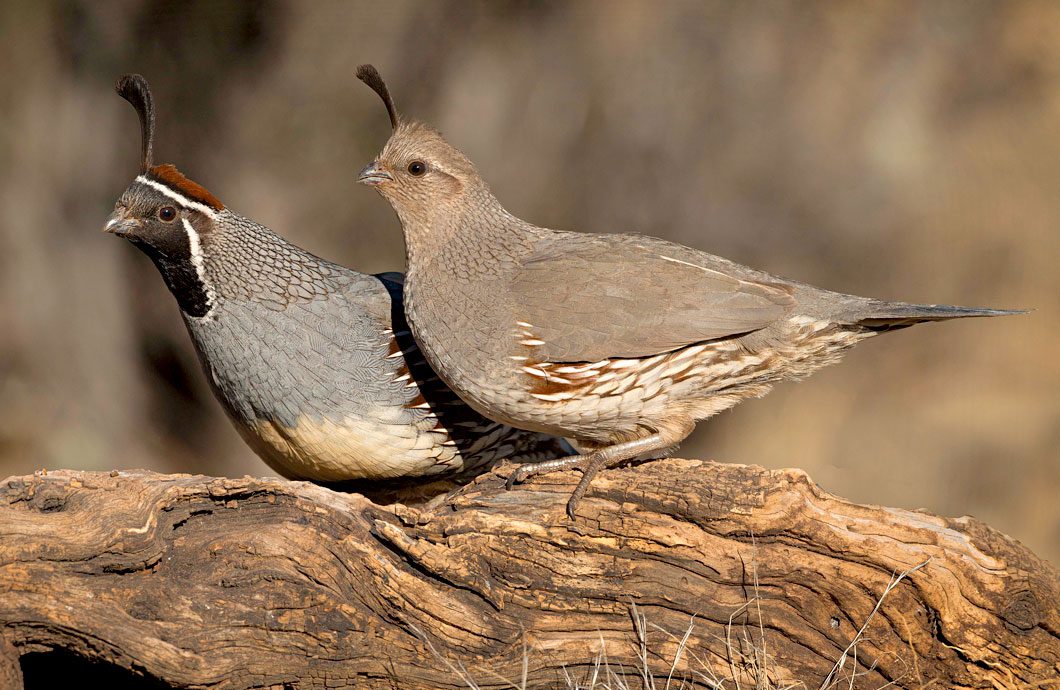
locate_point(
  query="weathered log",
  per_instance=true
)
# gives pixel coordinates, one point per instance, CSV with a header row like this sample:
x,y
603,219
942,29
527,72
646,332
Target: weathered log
x,y
252,583
10,671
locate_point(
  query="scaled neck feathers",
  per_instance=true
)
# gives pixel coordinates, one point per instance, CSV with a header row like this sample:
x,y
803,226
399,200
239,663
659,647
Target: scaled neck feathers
x,y
473,238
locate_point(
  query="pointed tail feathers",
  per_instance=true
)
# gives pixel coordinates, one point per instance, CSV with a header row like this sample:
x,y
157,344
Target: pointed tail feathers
x,y
891,315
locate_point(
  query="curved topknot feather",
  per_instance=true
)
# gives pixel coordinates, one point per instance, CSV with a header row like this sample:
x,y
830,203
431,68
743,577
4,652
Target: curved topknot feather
x,y
370,76
134,88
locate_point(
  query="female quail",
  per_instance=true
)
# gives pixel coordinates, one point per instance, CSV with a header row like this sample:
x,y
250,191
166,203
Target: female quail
x,y
313,362
620,342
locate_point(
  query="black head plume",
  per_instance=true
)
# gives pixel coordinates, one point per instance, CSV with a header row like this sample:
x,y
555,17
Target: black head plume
x,y
370,76
134,88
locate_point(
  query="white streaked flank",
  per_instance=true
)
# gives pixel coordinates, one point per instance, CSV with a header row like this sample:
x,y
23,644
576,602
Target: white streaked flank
x,y
702,268
554,397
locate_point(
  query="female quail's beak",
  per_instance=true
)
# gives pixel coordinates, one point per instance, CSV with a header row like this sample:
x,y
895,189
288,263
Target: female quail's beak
x,y
120,224
374,175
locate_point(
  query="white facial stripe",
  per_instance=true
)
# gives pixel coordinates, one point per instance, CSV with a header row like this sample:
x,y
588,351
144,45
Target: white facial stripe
x,y
177,197
195,246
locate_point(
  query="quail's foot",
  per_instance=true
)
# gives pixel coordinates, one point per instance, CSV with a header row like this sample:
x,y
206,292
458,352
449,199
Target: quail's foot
x,y
588,465
524,472
591,463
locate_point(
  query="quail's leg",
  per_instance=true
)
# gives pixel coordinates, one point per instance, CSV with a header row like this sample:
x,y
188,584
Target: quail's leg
x,y
591,463
611,456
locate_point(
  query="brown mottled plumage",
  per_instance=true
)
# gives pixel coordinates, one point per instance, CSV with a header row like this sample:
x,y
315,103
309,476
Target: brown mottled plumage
x,y
621,342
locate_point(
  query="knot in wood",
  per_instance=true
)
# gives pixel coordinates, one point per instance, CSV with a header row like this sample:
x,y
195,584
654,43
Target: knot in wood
x,y
1023,613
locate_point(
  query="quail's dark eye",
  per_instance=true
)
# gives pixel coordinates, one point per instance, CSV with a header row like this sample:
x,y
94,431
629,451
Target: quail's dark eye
x,y
167,213
417,168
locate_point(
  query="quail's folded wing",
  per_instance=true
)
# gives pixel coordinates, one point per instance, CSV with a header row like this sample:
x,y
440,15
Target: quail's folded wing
x,y
591,297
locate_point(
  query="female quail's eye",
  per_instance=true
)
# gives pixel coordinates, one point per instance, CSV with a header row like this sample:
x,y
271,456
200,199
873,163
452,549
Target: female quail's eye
x,y
417,168
167,213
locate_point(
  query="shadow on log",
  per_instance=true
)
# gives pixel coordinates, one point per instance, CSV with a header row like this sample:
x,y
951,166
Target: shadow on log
x,y
691,570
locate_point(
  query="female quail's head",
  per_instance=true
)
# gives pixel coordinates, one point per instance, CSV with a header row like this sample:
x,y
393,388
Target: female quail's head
x,y
418,171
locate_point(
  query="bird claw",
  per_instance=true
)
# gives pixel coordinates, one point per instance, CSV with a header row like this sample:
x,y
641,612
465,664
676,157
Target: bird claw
x,y
524,472
518,476
572,505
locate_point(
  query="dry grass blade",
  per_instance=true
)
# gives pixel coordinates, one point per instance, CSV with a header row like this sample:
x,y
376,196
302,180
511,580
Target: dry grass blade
x,y
830,679
457,669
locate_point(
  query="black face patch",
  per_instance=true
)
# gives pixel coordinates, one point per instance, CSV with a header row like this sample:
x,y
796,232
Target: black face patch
x,y
171,253
164,238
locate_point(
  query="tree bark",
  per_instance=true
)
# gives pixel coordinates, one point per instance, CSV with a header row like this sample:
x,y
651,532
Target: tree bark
x,y
737,571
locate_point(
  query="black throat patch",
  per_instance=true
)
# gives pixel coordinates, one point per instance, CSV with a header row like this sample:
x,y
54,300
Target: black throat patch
x,y
172,257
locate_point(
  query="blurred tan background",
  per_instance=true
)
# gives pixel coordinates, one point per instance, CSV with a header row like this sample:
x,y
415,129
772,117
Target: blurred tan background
x,y
898,150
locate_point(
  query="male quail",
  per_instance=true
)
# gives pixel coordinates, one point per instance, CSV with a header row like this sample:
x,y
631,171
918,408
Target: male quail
x,y
313,362
620,342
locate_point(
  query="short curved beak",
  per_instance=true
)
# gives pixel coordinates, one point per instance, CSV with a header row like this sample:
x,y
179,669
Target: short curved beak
x,y
374,175
120,225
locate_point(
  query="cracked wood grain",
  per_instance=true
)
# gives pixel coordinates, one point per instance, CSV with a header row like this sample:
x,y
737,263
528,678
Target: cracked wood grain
x,y
256,583
10,671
